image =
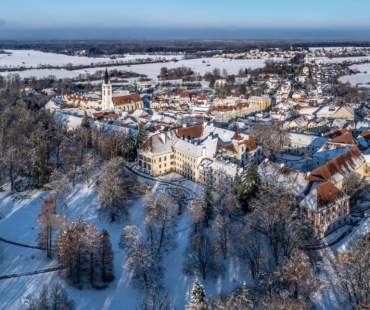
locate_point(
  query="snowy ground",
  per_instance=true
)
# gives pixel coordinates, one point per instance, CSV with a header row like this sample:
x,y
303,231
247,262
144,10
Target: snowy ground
x,y
362,78
20,225
17,58
31,58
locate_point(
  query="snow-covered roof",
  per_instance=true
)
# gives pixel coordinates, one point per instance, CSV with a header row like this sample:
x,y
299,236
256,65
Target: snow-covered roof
x,y
68,120
331,150
282,177
339,167
222,166
307,140
323,195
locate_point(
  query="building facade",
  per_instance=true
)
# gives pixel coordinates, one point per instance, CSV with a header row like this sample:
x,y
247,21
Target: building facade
x,y
190,151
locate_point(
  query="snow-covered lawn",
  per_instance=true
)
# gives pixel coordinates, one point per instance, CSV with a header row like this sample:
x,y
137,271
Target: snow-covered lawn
x,y
20,225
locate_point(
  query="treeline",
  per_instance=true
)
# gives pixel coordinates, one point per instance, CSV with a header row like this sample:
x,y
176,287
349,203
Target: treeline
x,y
95,48
184,73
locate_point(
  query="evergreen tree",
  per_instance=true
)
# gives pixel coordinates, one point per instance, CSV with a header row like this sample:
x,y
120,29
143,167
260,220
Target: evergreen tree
x,y
130,153
208,199
85,123
141,136
247,186
41,167
106,257
198,297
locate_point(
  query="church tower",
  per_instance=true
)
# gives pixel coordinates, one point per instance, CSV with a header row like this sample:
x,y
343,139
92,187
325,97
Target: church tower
x,y
106,93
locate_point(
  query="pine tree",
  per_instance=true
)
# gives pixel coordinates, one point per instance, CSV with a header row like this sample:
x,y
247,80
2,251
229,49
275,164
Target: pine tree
x,y
198,297
141,136
208,199
85,123
247,186
106,257
41,167
130,152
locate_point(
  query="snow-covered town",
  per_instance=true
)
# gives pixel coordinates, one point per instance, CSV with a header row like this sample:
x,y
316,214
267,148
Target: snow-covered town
x,y
168,174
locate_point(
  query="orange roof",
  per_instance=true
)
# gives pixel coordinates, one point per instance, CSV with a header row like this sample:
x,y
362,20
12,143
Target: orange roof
x,y
343,164
120,100
328,195
192,131
98,114
223,148
184,94
347,138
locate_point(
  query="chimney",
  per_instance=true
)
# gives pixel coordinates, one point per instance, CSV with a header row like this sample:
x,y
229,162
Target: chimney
x,y
204,150
184,126
224,134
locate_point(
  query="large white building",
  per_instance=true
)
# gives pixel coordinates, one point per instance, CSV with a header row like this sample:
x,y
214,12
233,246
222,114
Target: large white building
x,y
201,153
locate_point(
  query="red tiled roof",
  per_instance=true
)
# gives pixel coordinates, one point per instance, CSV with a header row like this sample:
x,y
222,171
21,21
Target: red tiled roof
x,y
346,138
328,195
120,100
98,114
343,164
192,131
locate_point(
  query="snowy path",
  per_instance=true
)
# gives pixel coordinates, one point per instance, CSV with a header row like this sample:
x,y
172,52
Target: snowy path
x,y
30,273
22,245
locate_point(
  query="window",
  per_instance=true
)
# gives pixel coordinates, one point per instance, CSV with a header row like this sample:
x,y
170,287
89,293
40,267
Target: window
x,y
172,156
160,166
165,158
160,159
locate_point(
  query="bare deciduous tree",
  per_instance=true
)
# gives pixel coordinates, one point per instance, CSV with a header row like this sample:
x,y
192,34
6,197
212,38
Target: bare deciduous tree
x,y
201,258
161,219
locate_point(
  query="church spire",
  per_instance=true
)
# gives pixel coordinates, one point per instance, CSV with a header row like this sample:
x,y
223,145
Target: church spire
x,y
106,76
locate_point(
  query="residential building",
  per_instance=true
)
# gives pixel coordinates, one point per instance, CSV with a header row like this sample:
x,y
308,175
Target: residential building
x,y
260,103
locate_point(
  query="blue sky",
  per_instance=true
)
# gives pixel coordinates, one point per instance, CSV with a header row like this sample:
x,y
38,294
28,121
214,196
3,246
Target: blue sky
x,y
181,14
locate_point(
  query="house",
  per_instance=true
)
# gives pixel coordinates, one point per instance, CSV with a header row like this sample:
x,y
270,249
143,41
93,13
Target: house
x,y
332,111
301,144
298,123
363,140
285,178
342,160
325,207
262,103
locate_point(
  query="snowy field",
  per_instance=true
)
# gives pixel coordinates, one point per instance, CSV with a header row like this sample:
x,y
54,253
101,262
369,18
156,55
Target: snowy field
x,y
31,58
34,58
232,66
20,225
361,78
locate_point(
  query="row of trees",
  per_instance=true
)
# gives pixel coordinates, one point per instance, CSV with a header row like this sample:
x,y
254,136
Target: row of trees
x,y
86,254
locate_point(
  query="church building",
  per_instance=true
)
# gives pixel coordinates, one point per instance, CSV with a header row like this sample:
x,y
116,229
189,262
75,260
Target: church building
x,y
110,102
